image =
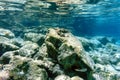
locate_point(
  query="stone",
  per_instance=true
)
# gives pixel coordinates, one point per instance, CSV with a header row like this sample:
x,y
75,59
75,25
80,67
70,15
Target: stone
x,y
68,51
42,53
17,41
89,44
62,77
35,37
97,77
6,45
103,40
6,33
29,49
7,56
4,75
76,78
26,69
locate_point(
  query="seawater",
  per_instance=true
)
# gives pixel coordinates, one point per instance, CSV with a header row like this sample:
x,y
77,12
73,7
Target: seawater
x,y
100,19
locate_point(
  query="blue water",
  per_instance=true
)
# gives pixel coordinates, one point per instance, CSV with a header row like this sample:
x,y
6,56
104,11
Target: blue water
x,y
99,19
102,18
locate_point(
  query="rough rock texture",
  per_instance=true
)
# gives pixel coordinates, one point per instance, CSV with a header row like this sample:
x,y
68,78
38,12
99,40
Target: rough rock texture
x,y
59,55
105,55
6,45
62,77
68,51
29,49
37,38
6,33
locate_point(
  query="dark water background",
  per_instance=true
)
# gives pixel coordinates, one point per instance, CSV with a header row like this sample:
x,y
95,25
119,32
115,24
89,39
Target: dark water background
x,y
102,18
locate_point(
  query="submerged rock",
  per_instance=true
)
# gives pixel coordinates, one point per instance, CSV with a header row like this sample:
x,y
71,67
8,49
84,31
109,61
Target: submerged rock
x,y
62,77
59,56
68,51
29,49
76,78
6,45
26,69
35,37
6,33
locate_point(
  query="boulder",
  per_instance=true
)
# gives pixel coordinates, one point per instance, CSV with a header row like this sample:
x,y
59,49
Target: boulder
x,y
68,51
26,69
35,37
29,49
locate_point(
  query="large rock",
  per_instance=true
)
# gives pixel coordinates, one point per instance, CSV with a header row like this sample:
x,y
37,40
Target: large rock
x,y
68,51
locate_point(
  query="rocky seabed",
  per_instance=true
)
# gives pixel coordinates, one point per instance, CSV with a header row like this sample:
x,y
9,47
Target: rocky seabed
x,y
58,55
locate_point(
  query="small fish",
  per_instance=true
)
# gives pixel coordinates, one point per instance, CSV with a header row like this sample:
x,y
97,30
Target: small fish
x,y
81,70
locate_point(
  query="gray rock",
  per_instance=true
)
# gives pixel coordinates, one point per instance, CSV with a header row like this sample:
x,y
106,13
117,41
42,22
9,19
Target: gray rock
x,y
89,44
29,49
62,77
7,46
42,53
26,69
4,75
6,33
35,37
17,41
68,50
97,76
7,56
76,78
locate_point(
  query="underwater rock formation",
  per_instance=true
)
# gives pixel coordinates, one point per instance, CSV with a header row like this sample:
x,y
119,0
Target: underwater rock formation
x,y
59,55
68,51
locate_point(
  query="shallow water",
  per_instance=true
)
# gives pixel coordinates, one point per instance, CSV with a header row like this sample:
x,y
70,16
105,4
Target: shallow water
x,y
102,18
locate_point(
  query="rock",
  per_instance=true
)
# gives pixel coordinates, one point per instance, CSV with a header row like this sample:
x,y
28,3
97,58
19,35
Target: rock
x,y
29,49
42,53
76,78
97,76
4,75
17,41
62,77
67,1
36,73
7,56
57,70
6,33
89,44
114,59
35,37
26,69
116,66
6,45
68,51
103,40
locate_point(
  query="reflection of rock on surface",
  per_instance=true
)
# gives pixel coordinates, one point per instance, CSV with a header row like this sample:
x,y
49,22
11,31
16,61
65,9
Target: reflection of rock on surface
x,y
68,51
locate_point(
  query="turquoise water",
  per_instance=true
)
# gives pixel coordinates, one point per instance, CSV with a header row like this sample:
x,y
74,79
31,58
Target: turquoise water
x,y
102,18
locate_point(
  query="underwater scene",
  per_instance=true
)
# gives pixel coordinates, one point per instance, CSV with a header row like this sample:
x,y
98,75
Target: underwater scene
x,y
59,39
